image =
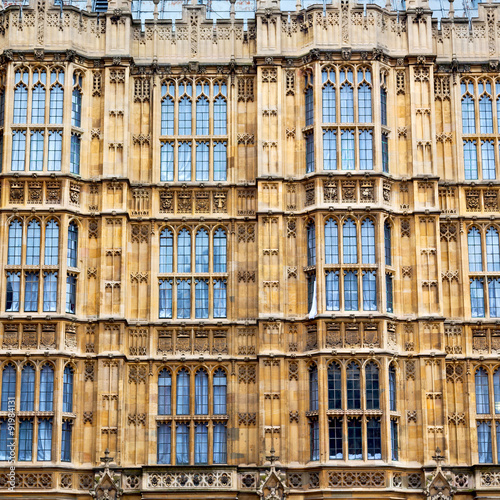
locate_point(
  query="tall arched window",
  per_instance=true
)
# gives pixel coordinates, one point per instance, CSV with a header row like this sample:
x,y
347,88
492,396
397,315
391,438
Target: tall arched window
x,y
166,251
167,108
392,388
46,402
184,251
202,251
475,250
364,97
202,113
52,243
220,251
353,386
201,392
482,392
331,242
372,387
76,101
387,244
329,97
334,387
185,108
311,244
8,387
368,242
346,96
468,114
28,388
56,96
220,109
485,107
349,242
220,392
183,392
492,250
33,244
164,393
313,388
20,96
15,243
72,245
38,96
68,390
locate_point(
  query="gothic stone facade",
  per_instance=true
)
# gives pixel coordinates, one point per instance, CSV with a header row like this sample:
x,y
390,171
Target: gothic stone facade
x,y
176,200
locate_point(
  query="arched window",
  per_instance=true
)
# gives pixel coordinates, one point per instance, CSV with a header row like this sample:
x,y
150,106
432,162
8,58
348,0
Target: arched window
x,y
346,96
492,250
331,242
311,244
309,106
350,242
164,393
220,392
482,392
372,387
353,386
334,387
46,388
468,114
368,242
202,251
201,392
38,96
68,390
56,96
33,244
185,114
220,109
387,244
329,97
8,387
184,251
183,392
313,388
72,245
383,106
27,388
392,388
20,96
202,112
485,108
166,251
220,251
76,101
167,108
475,250
15,243
364,98
52,243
